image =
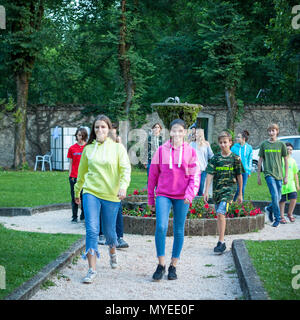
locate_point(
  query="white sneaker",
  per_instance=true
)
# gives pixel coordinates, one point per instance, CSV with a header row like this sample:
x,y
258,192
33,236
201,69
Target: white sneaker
x,y
90,276
113,260
101,240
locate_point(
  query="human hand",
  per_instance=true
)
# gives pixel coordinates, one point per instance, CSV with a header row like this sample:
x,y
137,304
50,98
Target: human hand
x,y
186,201
205,197
240,199
258,180
77,201
285,180
122,194
152,208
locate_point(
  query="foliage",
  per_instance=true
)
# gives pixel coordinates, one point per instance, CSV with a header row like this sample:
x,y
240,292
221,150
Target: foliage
x,y
279,256
24,254
200,209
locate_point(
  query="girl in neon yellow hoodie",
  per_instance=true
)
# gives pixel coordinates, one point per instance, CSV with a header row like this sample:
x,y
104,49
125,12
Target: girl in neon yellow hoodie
x,y
104,175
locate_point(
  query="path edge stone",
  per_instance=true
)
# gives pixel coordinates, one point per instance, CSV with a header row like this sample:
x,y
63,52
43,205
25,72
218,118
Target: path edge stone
x,y
30,287
250,282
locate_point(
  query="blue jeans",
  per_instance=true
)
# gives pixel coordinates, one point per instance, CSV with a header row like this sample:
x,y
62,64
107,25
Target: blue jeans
x,y
119,223
275,191
245,179
202,181
180,209
109,210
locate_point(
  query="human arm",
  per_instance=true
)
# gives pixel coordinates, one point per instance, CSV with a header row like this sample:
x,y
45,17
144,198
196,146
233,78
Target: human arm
x,y
260,160
82,170
70,166
124,171
286,166
153,178
240,184
193,172
208,181
250,159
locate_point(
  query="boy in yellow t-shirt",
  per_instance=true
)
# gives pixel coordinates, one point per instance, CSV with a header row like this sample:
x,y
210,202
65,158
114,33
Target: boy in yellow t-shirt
x,y
290,189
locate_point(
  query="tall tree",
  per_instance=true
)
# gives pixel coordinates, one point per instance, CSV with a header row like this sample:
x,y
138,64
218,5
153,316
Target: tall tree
x,y
22,41
223,42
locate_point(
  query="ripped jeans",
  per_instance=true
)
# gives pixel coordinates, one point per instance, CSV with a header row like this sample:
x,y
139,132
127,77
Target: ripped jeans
x,y
109,210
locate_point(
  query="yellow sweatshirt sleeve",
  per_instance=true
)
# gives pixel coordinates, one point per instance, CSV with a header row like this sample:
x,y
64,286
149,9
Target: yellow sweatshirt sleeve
x,y
124,167
82,170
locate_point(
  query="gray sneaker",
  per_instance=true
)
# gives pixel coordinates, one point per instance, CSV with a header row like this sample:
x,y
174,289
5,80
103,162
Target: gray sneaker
x,y
122,244
90,276
113,259
102,239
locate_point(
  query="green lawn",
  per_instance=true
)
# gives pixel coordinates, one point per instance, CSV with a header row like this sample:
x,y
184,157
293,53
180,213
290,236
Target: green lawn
x,y
274,261
24,254
35,188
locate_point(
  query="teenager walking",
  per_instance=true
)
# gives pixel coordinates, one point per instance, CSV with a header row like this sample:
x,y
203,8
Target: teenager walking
x,y
245,152
225,168
174,178
74,156
104,176
271,152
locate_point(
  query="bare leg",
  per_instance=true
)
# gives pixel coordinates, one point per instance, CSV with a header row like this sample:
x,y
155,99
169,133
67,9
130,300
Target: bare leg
x,y
221,226
92,261
281,206
174,261
292,206
161,260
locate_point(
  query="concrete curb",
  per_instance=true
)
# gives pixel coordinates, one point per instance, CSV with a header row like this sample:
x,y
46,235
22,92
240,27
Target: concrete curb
x,y
30,287
249,280
27,211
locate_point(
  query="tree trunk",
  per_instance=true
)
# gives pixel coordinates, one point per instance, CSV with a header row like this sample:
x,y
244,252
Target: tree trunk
x,y
232,107
22,81
124,62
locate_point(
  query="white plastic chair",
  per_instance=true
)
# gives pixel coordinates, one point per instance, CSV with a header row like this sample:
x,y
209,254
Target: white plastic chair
x,y
43,159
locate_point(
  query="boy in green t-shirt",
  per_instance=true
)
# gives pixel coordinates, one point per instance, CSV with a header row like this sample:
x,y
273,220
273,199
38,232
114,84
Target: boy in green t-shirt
x,y
289,191
225,168
270,154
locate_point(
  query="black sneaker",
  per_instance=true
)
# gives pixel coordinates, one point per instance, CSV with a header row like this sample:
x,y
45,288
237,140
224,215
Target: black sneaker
x,y
74,220
158,274
220,248
81,217
172,273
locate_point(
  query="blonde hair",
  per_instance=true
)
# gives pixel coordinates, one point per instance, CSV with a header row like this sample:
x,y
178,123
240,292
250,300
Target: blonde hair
x,y
273,126
224,134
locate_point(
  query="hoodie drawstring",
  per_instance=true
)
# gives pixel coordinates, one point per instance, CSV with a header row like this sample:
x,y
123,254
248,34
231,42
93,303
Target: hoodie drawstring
x,y
180,158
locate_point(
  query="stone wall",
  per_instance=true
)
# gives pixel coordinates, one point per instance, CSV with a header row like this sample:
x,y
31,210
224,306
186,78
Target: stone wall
x,y
255,119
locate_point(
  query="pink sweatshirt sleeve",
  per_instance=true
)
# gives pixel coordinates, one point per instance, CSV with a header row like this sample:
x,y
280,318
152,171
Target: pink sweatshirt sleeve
x,y
153,177
194,174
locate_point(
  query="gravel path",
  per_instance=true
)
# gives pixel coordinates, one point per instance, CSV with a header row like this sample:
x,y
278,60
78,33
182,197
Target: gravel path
x,y
201,274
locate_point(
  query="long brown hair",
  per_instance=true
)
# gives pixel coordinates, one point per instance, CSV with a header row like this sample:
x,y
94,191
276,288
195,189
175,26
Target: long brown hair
x,y
101,117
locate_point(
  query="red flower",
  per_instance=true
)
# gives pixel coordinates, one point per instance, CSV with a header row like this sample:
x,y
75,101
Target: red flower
x,y
237,211
129,195
193,211
135,192
206,206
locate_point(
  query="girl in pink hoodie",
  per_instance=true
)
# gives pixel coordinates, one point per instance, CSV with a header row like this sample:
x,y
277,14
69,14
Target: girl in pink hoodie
x,y
175,177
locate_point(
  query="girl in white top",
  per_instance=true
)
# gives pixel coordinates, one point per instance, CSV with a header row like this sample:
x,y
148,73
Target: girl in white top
x,y
204,153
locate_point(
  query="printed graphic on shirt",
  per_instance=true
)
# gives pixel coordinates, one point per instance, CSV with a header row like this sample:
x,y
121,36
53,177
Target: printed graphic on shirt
x,y
225,171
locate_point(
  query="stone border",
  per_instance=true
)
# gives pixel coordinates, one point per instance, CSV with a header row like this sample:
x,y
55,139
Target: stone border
x,y
195,227
30,287
27,211
250,282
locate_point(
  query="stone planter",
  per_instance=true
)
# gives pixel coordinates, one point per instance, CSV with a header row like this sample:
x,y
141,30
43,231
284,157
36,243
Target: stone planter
x,y
195,227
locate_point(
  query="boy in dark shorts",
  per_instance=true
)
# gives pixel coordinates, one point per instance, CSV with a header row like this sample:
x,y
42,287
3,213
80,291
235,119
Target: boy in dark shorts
x,y
225,168
289,190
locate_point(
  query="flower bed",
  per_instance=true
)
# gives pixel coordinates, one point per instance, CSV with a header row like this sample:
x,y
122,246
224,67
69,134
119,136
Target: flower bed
x,y
201,219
